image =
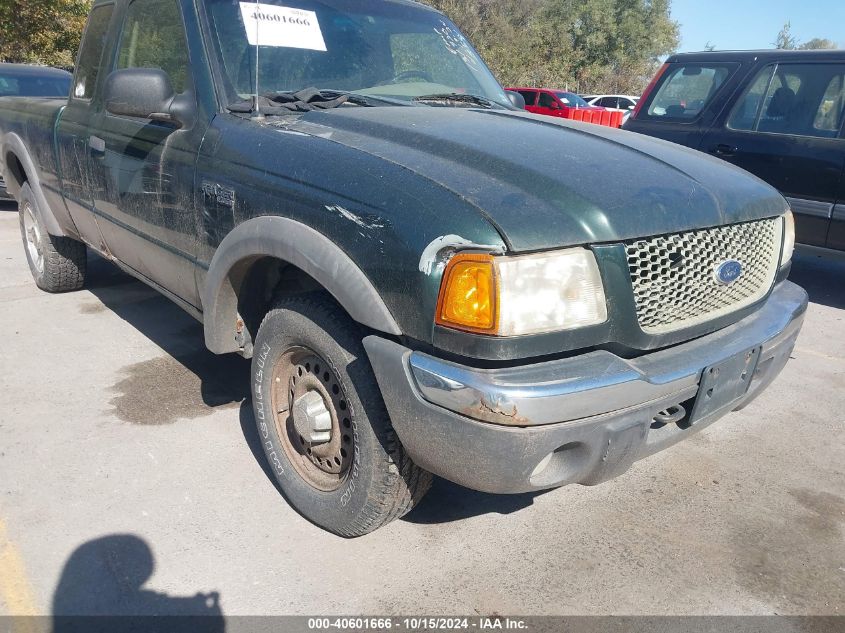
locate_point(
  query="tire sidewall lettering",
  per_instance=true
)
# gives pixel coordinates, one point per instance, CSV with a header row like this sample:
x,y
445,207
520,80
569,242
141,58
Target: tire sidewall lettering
x,y
260,407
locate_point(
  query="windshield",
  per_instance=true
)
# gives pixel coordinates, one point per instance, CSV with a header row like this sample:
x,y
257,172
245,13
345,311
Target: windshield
x,y
571,99
377,48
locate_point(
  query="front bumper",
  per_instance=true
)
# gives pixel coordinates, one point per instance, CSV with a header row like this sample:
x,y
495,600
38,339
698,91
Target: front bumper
x,y
584,419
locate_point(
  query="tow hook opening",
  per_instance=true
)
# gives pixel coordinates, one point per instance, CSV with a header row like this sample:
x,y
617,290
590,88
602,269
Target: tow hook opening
x,y
672,415
671,420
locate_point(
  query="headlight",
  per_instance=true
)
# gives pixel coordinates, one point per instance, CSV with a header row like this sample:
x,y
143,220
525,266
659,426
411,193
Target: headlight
x,y
528,294
788,238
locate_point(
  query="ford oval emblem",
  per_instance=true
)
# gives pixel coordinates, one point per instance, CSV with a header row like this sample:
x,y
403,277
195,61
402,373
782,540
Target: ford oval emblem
x,y
728,272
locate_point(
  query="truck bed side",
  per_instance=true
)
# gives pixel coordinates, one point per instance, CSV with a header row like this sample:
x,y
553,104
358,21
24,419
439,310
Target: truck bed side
x,y
28,155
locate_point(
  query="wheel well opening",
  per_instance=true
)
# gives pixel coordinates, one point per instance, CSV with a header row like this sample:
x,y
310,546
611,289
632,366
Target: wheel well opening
x,y
260,282
15,170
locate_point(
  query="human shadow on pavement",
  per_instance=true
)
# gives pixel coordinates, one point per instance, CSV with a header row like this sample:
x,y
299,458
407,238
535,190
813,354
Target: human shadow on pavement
x,y
822,277
101,588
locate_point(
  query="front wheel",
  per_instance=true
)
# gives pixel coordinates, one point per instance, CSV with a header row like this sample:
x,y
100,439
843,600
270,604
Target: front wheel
x,y
322,421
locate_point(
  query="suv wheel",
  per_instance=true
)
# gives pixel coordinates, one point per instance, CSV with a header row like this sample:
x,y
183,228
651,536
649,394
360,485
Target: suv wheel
x,y
58,264
322,421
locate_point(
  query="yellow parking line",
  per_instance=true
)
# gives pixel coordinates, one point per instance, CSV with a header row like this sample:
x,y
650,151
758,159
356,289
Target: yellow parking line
x,y
15,591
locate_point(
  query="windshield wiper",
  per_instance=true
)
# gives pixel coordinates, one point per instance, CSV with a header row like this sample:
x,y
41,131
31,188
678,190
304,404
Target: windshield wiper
x,y
365,100
458,99
305,100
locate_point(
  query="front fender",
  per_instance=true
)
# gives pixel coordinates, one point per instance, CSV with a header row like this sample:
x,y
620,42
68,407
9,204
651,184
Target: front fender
x,y
296,244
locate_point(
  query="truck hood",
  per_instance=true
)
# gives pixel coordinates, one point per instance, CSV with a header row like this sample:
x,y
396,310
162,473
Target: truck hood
x,y
547,183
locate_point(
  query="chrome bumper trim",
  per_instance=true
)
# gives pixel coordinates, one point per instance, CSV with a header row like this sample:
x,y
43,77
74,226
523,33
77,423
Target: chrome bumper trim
x,y
600,382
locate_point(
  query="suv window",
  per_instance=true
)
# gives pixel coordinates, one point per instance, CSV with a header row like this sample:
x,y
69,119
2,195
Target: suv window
x,y
546,100
608,102
687,89
530,96
91,53
832,107
794,99
154,37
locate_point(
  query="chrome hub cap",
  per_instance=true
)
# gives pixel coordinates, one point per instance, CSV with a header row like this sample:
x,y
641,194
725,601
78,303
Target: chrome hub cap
x,y
32,234
312,419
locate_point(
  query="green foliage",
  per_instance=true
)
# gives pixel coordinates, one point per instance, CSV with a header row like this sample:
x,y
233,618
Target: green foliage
x,y
41,31
154,37
788,42
818,43
582,45
785,40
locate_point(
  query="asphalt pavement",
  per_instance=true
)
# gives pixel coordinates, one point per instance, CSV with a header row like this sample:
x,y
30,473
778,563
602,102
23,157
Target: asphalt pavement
x,y
131,481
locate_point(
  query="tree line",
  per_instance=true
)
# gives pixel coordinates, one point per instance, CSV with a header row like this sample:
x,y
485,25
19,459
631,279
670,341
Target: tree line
x,y
586,45
611,46
581,45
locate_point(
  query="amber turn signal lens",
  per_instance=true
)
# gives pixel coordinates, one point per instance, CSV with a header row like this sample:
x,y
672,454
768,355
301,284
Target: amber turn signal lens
x,y
469,294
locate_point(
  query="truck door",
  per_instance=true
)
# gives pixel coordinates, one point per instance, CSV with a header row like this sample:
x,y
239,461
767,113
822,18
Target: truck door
x,y
144,170
785,129
548,104
71,137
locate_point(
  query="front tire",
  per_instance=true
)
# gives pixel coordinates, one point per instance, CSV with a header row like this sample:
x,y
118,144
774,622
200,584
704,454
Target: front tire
x,y
310,373
58,264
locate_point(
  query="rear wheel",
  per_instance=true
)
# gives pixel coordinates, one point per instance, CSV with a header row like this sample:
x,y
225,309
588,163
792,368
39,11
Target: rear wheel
x,y
57,264
322,421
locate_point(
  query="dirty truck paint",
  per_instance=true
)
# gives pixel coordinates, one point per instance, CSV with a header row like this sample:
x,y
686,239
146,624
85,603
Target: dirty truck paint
x,y
383,184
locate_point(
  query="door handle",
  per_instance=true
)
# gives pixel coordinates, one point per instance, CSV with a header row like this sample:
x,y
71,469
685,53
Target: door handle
x,y
97,145
723,149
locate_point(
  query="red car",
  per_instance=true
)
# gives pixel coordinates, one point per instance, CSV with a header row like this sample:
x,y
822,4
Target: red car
x,y
554,102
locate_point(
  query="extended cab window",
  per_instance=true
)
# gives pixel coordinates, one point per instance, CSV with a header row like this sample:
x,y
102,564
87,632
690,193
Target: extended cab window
x,y
91,53
530,97
154,37
793,99
686,89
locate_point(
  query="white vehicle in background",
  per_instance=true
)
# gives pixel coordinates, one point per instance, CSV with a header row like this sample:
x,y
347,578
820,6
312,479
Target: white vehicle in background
x,y
619,103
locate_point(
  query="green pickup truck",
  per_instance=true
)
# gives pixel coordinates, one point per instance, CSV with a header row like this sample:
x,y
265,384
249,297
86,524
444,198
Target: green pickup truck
x,y
427,278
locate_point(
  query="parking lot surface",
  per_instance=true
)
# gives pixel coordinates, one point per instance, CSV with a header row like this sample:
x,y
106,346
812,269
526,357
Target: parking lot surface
x,y
131,481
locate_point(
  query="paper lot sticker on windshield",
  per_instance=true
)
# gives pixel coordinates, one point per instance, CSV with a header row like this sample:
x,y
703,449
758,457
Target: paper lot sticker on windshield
x,y
272,25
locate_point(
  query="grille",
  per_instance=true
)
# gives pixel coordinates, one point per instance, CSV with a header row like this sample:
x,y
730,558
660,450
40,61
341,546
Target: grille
x,y
674,276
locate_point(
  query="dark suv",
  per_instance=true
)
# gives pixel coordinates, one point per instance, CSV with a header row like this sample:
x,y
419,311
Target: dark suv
x,y
778,114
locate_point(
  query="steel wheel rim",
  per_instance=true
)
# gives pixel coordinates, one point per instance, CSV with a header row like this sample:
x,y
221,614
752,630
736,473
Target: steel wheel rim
x,y
32,234
323,466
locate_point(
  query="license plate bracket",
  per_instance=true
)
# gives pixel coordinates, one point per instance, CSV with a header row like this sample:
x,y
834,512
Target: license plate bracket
x,y
724,383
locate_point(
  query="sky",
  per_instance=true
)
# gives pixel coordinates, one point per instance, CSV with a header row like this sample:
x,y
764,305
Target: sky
x,y
751,24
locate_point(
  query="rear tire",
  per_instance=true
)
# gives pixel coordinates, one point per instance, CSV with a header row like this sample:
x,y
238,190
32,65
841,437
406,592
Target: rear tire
x,y
58,264
361,478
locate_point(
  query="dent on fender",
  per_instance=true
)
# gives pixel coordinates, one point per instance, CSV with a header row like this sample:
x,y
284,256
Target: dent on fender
x,y
434,256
